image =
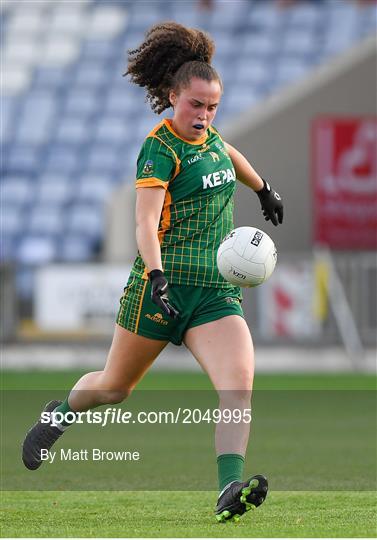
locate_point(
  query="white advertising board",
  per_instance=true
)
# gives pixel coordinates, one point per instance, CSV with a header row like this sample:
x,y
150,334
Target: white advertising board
x,y
78,297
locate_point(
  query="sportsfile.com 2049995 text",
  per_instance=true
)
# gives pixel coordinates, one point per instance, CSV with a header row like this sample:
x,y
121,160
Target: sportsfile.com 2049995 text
x,y
113,415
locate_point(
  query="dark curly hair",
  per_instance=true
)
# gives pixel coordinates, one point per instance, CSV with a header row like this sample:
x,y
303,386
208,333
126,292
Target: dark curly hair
x,y
169,57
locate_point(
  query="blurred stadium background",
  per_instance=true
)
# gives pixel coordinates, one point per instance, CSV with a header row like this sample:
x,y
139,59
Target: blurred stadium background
x,y
299,102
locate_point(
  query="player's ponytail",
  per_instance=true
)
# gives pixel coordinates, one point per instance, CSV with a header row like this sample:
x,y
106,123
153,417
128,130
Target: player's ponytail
x,y
169,57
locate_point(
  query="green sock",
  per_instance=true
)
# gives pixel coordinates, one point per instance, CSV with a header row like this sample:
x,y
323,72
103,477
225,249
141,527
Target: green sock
x,y
64,408
230,468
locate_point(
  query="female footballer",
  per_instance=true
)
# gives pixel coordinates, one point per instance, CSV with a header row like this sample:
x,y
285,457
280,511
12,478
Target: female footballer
x,y
186,178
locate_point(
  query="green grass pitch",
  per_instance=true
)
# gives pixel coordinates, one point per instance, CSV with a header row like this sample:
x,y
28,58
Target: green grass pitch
x,y
184,514
346,513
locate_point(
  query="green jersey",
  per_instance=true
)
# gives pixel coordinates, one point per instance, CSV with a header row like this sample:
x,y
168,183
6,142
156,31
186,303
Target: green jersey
x,y
199,180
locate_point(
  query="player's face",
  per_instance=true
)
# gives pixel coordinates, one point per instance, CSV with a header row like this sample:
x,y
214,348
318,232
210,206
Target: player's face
x,y
195,107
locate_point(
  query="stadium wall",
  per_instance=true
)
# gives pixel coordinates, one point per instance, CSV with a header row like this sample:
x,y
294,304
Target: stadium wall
x,y
120,242
275,136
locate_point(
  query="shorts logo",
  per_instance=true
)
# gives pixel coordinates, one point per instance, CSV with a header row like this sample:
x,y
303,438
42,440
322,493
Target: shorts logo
x,y
157,318
231,300
148,167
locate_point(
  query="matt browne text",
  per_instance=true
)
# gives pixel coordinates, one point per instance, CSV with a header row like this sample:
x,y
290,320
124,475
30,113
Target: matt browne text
x,y
95,454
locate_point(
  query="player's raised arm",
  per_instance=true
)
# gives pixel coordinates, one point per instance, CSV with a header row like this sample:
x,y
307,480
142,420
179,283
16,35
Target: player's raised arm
x,y
272,206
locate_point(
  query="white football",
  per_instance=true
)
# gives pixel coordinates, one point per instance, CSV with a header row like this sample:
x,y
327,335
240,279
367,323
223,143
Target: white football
x,y
246,257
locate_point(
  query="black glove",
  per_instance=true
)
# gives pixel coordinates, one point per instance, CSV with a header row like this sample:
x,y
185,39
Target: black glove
x,y
272,206
159,293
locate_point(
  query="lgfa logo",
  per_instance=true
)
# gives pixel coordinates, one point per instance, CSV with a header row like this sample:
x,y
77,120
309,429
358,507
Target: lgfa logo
x,y
157,318
148,167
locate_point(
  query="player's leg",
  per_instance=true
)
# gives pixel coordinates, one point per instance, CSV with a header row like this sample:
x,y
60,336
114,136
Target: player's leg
x,y
129,358
224,349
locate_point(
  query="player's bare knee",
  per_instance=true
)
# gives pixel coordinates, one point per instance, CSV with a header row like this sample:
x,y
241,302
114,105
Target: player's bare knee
x,y
244,382
230,399
111,391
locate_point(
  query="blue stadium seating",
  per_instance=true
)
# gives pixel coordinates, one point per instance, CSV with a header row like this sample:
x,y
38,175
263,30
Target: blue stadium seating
x,y
45,217
85,219
72,125
55,189
80,102
16,190
34,250
95,188
12,220
22,158
75,248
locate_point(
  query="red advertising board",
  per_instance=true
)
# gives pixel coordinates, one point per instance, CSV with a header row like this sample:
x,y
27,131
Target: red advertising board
x,y
344,176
